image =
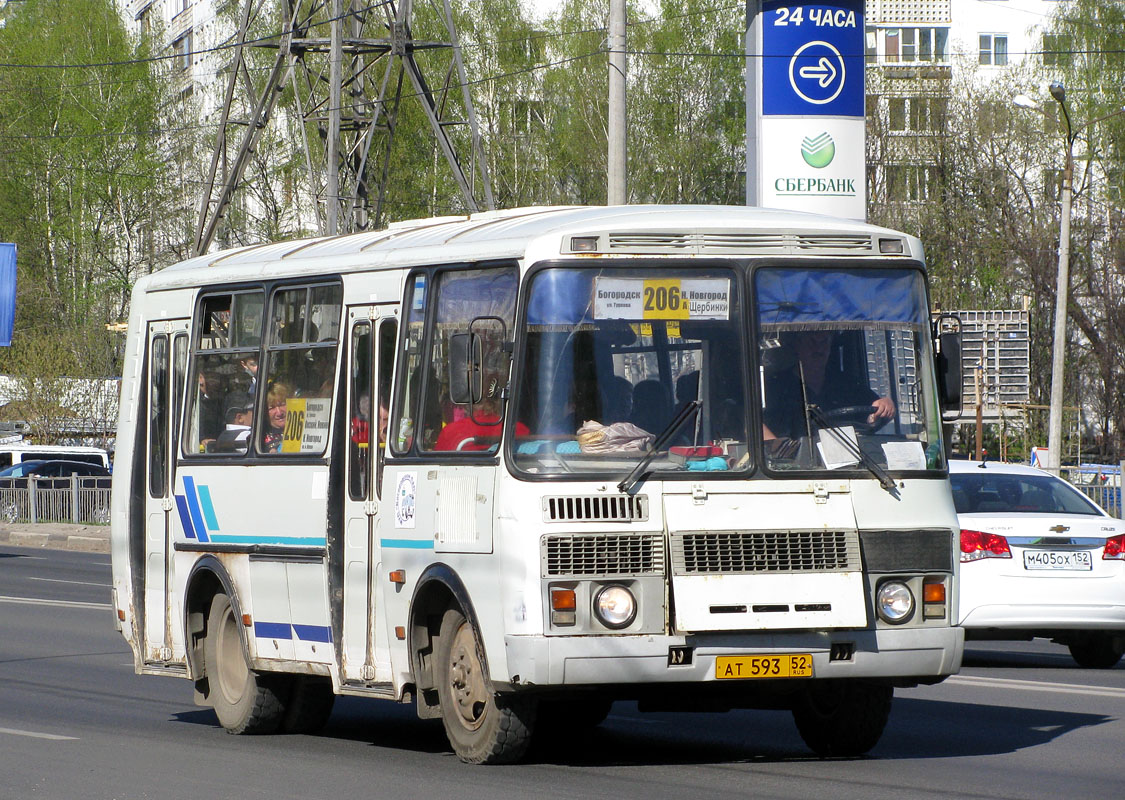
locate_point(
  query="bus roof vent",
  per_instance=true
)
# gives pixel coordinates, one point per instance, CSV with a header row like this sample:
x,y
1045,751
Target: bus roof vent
x,y
740,243
602,554
596,508
836,242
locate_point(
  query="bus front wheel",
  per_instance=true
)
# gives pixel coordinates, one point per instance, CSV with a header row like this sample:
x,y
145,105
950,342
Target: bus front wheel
x,y
842,717
482,727
244,701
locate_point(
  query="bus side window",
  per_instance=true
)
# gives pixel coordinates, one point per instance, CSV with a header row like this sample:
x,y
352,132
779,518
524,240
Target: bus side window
x,y
478,305
299,375
224,372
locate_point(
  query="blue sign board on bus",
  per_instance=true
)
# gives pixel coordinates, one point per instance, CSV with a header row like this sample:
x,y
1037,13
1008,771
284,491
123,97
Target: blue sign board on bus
x,y
812,58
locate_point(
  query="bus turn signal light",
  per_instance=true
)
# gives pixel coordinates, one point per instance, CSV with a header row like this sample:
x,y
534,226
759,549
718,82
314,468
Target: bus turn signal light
x,y
564,606
398,576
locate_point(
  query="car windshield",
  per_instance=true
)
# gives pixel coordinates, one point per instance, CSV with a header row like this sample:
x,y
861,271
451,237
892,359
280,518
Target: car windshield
x,y
847,379
613,357
1000,492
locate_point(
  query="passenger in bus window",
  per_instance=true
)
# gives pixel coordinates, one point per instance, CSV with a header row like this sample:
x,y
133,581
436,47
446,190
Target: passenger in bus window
x,y
474,432
239,416
210,407
810,369
277,399
249,365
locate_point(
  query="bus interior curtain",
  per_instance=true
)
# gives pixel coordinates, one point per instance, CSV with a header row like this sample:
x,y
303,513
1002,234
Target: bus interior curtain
x,y
790,297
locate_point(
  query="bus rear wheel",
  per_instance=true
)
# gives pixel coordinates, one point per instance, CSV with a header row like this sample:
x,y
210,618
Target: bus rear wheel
x,y
482,727
842,717
244,701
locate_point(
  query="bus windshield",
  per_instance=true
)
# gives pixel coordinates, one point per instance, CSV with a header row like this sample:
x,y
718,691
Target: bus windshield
x,y
612,357
846,382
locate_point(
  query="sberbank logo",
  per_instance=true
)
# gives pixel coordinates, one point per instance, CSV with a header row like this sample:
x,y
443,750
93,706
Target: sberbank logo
x,y
818,151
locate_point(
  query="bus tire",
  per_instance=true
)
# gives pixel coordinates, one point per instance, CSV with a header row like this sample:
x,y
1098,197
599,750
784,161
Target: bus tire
x,y
1099,650
310,704
482,727
244,701
842,717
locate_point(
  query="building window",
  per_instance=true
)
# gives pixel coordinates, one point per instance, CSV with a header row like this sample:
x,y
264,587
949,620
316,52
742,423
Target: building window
x,y
911,183
1056,50
993,49
920,114
182,48
917,45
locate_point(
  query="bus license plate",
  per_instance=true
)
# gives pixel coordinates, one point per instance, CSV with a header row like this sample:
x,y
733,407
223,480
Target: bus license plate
x,y
1058,559
790,665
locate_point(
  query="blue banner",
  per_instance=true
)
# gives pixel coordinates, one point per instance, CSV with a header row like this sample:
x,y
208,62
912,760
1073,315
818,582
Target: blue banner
x,y
813,58
7,292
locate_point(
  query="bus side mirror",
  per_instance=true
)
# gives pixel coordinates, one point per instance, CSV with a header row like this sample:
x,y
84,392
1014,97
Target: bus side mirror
x,y
466,358
948,369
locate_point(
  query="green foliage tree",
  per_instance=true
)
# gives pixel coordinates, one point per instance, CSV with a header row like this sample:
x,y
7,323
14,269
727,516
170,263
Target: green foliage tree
x,y
78,177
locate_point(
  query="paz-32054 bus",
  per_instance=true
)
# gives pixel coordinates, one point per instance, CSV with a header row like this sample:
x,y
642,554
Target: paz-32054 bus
x,y
516,466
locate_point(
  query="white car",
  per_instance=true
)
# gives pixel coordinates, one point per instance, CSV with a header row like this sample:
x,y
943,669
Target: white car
x,y
1039,559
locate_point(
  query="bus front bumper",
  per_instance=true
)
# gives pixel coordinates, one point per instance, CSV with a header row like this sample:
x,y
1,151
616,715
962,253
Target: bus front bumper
x,y
922,655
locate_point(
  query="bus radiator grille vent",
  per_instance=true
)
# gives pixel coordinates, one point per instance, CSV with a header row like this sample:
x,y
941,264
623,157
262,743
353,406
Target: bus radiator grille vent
x,y
596,508
602,554
741,552
841,242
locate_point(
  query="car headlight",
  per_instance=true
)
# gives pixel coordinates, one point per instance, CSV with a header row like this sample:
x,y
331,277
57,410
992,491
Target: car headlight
x,y
615,607
894,602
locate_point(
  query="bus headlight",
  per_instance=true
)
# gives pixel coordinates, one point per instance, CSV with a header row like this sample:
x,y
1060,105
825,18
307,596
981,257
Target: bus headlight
x,y
894,602
615,606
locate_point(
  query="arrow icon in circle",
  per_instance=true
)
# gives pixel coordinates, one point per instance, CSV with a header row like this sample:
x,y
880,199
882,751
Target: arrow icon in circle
x,y
823,73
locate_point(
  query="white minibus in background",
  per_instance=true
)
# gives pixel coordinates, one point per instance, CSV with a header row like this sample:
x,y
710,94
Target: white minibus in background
x,y
19,452
516,466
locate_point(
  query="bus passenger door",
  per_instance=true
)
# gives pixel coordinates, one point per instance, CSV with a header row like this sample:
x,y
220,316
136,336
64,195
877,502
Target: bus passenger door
x,y
167,362
372,337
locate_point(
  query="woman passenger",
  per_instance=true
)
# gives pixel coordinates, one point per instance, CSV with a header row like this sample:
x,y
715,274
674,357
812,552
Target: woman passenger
x,y
276,400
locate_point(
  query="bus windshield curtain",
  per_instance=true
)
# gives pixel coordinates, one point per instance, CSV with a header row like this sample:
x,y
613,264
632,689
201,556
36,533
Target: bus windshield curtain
x,y
7,292
808,298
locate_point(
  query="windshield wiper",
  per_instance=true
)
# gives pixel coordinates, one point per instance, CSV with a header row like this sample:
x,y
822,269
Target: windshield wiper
x,y
678,421
885,480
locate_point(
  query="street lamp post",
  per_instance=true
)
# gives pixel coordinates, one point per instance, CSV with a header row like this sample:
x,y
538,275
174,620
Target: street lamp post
x,y
1062,291
1062,280
1062,283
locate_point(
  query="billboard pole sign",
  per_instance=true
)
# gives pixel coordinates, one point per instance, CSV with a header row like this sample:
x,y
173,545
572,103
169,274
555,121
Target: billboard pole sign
x,y
805,127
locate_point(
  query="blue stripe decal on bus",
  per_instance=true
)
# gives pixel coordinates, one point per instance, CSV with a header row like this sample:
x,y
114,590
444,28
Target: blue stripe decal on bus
x,y
185,517
407,544
234,538
313,633
208,508
272,630
193,507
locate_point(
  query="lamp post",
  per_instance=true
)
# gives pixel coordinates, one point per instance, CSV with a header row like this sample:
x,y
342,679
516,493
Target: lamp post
x,y
1062,290
1062,279
1062,284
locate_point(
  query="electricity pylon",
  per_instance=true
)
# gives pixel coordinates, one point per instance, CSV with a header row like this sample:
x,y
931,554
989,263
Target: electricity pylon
x,y
351,63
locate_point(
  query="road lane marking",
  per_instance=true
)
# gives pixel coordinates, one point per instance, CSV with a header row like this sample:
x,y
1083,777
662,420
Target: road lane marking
x,y
1036,686
37,735
34,601
74,583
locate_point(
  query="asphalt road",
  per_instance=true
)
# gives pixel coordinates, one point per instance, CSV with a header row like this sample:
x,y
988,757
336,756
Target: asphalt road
x,y
1020,721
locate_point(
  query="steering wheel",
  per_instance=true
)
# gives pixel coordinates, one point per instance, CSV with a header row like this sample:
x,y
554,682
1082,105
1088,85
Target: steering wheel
x,y
856,416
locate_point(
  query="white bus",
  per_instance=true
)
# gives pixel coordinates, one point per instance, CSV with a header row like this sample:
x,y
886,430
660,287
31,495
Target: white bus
x,y
516,466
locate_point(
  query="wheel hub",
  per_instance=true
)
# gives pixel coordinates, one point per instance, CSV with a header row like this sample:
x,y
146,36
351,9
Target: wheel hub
x,y
466,679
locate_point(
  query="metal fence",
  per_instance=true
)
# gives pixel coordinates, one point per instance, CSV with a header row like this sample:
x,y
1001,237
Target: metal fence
x,y
74,499
1108,497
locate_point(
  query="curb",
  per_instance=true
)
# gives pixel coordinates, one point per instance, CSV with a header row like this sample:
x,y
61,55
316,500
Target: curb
x,y
54,536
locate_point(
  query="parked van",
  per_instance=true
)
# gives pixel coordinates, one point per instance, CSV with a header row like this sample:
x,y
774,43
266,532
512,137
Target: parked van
x,y
19,452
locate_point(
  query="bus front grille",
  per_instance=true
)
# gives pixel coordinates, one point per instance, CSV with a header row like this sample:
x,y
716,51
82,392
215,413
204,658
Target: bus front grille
x,y
602,554
741,552
596,508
